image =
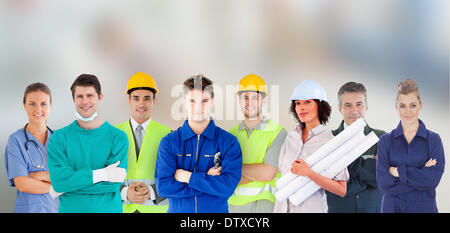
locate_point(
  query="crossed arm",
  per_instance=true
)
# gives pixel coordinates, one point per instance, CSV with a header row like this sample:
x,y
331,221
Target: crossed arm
x,y
401,179
34,183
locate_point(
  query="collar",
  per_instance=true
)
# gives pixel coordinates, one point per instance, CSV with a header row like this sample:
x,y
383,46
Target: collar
x,y
134,124
318,129
78,127
314,131
341,127
344,125
187,132
260,126
49,133
421,131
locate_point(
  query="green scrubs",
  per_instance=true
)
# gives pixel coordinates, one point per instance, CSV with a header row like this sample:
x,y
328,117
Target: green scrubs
x,y
73,153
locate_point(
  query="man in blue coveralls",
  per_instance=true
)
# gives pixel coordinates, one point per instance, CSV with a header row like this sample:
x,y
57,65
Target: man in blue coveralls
x,y
199,164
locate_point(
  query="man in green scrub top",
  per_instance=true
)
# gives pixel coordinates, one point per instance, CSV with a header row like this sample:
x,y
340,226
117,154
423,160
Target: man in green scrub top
x,y
87,159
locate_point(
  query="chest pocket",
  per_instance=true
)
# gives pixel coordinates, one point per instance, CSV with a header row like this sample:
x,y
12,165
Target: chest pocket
x,y
421,155
213,159
206,160
184,161
415,154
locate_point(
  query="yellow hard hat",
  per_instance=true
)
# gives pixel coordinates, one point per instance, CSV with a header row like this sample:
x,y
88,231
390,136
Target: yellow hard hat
x,y
252,82
141,80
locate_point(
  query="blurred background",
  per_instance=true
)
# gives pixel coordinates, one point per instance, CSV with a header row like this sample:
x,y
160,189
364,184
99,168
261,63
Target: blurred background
x,y
378,43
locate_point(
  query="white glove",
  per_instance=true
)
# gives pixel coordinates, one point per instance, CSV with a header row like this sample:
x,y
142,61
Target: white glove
x,y
111,173
53,193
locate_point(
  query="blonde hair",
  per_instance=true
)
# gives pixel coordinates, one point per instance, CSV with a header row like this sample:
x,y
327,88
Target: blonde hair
x,y
407,87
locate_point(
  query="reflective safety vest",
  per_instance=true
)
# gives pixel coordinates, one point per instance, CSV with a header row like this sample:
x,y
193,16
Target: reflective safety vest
x,y
142,168
253,151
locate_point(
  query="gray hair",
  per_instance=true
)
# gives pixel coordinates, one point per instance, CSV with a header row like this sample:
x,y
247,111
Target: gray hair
x,y
352,87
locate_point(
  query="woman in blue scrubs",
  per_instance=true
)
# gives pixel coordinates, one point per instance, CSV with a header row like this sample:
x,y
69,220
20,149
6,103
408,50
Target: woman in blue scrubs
x,y
410,160
26,155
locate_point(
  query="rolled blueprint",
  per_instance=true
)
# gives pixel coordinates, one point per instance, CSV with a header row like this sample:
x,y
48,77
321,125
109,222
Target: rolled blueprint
x,y
324,150
310,188
343,150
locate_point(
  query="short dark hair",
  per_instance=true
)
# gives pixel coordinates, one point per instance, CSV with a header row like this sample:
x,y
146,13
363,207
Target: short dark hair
x,y
86,80
352,87
36,87
152,90
323,109
199,82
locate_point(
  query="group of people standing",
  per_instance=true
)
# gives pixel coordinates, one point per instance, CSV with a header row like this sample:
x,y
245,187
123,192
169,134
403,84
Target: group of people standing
x,y
142,166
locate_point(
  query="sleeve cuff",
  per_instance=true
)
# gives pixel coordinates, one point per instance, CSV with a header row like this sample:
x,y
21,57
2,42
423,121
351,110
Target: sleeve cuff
x,y
123,193
194,180
99,175
152,193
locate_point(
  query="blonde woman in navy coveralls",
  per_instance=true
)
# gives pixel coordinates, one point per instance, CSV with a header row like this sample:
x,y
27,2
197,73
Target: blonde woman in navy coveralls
x,y
410,160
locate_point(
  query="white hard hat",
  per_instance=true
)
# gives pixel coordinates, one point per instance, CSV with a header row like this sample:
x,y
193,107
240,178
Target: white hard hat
x,y
307,90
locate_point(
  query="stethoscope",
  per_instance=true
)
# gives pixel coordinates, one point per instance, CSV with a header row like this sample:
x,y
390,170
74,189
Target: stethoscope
x,y
35,144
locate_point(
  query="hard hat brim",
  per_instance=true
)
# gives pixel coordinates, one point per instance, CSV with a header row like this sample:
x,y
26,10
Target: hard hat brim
x,y
154,90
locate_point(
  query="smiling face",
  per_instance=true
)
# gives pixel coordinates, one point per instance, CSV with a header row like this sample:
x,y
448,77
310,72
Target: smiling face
x,y
86,100
251,104
199,105
353,106
141,104
307,110
37,105
408,107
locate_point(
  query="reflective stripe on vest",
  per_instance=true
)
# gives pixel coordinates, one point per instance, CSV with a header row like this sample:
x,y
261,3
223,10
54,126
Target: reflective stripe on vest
x,y
130,181
243,191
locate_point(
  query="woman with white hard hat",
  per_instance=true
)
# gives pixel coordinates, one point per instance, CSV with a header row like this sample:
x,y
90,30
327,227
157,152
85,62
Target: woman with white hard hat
x,y
310,108
26,155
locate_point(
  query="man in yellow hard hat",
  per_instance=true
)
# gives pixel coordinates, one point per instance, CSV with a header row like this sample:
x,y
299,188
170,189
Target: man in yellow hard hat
x,y
139,194
261,140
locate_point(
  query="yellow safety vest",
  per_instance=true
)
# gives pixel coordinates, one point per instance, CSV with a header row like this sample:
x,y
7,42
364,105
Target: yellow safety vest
x,y
253,151
143,170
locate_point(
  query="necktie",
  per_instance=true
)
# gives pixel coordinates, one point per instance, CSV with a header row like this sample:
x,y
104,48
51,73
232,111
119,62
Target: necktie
x,y
139,137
